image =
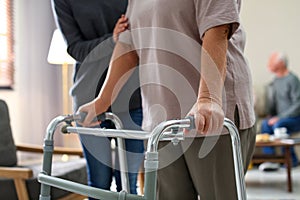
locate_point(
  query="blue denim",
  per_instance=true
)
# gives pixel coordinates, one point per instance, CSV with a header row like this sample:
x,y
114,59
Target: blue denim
x,y
292,124
101,167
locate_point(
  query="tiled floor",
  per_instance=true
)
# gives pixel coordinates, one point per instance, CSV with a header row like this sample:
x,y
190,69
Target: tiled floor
x,y
272,185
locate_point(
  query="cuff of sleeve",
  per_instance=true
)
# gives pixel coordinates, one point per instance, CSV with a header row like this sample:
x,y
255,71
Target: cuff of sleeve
x,y
125,37
111,42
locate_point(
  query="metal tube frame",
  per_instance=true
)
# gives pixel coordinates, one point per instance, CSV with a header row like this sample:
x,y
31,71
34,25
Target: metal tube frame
x,y
167,130
237,159
121,152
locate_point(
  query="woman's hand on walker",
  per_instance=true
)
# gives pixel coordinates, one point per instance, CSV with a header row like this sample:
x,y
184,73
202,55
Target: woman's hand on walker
x,y
208,115
90,115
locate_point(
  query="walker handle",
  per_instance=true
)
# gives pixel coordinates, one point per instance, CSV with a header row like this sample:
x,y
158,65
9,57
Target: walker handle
x,y
192,122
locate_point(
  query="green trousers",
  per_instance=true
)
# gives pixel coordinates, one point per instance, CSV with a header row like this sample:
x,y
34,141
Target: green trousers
x,y
201,167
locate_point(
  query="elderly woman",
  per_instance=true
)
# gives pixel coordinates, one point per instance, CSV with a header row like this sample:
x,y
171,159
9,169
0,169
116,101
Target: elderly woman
x,y
190,55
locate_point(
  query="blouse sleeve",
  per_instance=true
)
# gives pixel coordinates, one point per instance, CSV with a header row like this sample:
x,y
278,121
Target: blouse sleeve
x,y
126,37
212,13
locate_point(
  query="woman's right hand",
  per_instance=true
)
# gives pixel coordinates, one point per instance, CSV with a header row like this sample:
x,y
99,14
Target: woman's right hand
x,y
120,27
208,116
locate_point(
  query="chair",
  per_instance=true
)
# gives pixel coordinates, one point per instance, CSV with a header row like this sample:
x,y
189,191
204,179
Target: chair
x,y
20,181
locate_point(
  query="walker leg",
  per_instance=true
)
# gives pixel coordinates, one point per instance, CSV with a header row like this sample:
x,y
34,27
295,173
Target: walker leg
x,y
237,158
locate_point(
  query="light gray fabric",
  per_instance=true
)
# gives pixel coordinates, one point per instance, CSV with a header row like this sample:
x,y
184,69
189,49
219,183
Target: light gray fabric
x,y
169,48
93,68
88,75
8,156
284,96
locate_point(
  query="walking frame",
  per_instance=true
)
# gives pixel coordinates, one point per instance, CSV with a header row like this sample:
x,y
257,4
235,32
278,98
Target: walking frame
x,y
169,130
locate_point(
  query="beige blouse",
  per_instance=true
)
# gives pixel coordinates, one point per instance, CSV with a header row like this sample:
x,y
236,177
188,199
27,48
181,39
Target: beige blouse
x,y
167,37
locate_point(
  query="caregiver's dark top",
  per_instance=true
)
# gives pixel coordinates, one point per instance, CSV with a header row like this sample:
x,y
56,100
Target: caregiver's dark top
x,y
88,33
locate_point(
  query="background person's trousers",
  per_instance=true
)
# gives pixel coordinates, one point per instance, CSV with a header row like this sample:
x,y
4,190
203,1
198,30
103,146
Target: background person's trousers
x,y
291,124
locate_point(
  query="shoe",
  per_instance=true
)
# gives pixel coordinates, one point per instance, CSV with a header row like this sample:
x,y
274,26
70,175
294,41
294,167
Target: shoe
x,y
269,166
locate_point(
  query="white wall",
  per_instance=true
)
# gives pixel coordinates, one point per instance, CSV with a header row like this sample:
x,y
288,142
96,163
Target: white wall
x,y
36,97
271,25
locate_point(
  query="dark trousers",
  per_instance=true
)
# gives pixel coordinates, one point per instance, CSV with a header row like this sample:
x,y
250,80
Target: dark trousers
x,y
201,166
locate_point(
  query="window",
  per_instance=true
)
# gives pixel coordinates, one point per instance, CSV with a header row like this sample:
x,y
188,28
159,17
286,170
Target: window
x,y
6,45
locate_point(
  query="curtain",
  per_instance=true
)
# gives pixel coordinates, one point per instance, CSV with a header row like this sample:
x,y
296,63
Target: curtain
x,y
6,45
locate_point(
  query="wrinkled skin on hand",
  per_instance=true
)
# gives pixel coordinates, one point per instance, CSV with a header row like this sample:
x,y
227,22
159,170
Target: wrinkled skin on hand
x,y
209,116
90,111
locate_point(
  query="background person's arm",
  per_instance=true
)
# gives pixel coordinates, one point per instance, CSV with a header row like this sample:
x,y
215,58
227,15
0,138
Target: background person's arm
x,y
294,94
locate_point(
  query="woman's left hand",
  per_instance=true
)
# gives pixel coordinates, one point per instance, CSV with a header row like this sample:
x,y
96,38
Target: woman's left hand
x,y
91,115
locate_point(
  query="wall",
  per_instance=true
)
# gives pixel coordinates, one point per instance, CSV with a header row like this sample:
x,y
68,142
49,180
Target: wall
x,y
271,25
36,97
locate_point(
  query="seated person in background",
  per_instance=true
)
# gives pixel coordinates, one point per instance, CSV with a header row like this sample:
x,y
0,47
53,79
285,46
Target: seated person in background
x,y
283,101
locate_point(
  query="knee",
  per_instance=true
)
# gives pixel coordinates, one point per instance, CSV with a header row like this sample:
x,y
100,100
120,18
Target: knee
x,y
280,123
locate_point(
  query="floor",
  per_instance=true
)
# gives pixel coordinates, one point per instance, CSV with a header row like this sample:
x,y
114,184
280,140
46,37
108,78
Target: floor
x,y
272,185
268,185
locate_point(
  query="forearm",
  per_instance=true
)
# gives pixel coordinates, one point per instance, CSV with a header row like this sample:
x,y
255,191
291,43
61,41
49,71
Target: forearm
x,y
208,112
213,63
123,62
